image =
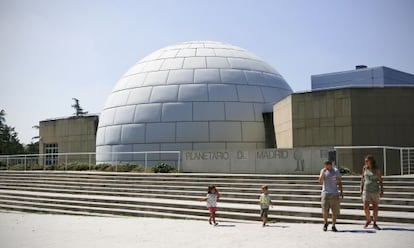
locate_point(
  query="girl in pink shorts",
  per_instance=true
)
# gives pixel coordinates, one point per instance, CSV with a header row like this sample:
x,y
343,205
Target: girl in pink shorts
x,y
211,198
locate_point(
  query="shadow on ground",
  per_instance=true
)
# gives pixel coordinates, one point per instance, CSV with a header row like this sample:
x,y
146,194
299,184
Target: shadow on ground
x,y
398,229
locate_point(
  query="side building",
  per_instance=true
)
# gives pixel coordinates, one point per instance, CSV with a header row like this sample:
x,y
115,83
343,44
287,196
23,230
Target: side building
x,y
363,107
75,134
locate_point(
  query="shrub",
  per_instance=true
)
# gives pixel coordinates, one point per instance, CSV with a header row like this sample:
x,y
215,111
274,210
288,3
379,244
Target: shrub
x,y
3,165
35,167
28,167
163,168
102,167
16,167
127,167
73,166
123,167
344,171
138,169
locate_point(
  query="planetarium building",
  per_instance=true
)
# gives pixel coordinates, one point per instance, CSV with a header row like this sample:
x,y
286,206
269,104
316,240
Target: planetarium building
x,y
199,95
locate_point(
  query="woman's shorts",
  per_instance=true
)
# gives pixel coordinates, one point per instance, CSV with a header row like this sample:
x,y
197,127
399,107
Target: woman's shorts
x,y
212,209
370,196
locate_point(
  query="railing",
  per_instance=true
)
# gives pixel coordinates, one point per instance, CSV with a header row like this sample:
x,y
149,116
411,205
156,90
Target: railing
x,y
394,160
404,156
61,161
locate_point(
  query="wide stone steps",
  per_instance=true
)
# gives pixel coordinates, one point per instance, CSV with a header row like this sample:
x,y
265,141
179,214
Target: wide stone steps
x,y
296,190
250,198
282,200
146,207
296,198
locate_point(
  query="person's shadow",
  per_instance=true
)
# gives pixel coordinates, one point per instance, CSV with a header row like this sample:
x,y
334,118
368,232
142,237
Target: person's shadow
x,y
273,225
225,225
401,229
357,231
398,229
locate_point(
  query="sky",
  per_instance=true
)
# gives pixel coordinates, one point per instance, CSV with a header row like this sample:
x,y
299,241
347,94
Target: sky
x,y
54,50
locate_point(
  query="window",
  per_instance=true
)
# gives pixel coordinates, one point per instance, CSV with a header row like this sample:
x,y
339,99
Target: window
x,y
51,151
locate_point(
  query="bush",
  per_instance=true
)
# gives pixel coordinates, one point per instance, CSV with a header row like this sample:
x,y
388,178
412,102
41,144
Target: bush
x,y
28,167
84,166
16,167
163,168
102,167
72,166
3,165
123,167
344,171
127,167
35,167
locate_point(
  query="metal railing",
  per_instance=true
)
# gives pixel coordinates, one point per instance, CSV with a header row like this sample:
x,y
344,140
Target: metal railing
x,y
405,156
61,161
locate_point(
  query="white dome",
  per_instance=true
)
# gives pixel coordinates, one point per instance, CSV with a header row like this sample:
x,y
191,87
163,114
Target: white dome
x,y
190,96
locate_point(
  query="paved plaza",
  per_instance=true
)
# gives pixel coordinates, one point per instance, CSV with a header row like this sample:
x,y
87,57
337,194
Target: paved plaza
x,y
50,231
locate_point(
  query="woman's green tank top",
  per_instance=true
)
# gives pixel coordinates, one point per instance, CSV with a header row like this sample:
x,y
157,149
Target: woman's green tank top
x,y
371,180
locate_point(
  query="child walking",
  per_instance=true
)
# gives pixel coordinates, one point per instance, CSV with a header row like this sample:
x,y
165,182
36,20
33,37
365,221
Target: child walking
x,y
211,199
265,202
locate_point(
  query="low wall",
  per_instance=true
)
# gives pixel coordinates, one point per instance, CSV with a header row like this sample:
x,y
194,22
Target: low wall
x,y
263,161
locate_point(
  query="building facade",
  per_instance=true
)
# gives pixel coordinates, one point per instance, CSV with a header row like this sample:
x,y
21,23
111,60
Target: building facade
x,y
378,115
75,134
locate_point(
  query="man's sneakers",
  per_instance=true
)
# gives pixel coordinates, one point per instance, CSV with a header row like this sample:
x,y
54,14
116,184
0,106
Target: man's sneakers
x,y
325,227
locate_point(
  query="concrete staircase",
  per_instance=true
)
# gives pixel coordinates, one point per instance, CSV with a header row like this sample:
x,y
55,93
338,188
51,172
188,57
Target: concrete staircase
x,y
296,197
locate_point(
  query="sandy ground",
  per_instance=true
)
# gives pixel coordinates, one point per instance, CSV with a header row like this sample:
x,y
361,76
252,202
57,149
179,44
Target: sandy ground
x,y
52,231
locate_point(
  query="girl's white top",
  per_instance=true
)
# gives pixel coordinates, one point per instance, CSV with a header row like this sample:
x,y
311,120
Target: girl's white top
x,y
211,200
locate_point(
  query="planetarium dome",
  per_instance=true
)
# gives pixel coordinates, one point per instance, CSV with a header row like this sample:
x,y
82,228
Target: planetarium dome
x,y
194,95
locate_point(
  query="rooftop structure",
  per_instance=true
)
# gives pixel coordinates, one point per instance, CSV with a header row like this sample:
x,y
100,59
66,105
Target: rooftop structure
x,y
363,76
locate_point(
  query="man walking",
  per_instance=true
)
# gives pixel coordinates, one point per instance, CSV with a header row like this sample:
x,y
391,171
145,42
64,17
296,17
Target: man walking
x,y
330,178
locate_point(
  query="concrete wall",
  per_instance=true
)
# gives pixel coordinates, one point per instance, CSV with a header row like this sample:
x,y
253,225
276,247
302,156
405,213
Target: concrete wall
x,y
263,161
320,118
73,134
383,116
282,121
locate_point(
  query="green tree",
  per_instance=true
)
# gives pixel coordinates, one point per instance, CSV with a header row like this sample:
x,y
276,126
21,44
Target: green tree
x,y
9,142
2,117
33,147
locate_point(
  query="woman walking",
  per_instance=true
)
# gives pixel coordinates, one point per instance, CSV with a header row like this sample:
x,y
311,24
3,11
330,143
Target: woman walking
x,y
371,189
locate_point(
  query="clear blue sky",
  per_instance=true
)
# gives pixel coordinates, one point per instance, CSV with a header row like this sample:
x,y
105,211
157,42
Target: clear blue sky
x,y
53,50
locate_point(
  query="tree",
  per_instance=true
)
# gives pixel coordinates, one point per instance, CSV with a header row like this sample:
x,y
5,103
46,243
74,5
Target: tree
x,y
37,127
77,107
9,142
2,117
33,147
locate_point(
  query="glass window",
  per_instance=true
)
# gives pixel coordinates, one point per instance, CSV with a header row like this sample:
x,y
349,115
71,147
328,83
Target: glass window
x,y
51,151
